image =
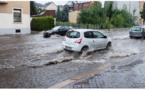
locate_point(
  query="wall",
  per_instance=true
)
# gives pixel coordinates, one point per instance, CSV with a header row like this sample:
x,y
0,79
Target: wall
x,y
7,24
7,8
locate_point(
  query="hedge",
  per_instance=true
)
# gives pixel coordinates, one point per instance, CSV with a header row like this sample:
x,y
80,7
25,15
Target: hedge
x,y
42,23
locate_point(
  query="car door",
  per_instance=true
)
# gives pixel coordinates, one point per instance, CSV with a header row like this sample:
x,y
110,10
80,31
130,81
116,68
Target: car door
x,y
89,39
61,30
100,40
66,29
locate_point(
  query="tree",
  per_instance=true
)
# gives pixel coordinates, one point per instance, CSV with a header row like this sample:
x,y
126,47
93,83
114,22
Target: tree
x,y
109,13
33,9
58,14
40,10
92,15
143,12
64,14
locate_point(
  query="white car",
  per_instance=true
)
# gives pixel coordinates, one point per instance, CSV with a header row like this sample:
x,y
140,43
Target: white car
x,y
80,40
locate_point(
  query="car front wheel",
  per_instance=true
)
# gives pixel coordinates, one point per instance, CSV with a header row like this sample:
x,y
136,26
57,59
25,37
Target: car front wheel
x,y
131,37
108,45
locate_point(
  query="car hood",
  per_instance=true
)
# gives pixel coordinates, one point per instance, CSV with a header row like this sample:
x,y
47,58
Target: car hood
x,y
49,31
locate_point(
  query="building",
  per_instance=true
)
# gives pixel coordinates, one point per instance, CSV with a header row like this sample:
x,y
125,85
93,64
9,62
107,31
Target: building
x,y
131,5
50,6
14,17
73,16
46,13
75,7
82,5
78,5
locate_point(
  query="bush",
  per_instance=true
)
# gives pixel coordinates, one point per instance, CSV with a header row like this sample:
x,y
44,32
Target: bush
x,y
42,23
118,20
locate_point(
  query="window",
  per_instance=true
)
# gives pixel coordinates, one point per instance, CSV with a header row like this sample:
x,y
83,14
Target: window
x,y
67,28
17,15
73,34
62,28
97,34
18,30
136,29
88,34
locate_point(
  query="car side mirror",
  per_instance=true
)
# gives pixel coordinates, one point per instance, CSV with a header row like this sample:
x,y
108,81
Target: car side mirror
x,y
105,36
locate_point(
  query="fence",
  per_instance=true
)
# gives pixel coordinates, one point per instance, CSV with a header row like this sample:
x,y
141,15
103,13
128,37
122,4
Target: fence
x,y
85,26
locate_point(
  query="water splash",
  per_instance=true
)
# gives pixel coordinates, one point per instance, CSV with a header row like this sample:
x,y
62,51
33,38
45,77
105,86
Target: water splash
x,y
120,37
122,52
89,62
6,66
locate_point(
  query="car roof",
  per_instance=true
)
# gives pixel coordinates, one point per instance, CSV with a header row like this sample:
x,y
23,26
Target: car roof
x,y
84,30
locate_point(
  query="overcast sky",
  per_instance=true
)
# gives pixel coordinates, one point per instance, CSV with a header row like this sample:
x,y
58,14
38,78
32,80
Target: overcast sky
x,y
56,2
59,2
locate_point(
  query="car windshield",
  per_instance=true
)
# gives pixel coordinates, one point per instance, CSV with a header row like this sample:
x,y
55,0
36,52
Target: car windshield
x,y
136,29
73,34
56,28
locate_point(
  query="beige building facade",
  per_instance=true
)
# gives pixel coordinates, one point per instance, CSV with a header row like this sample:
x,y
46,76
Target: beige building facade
x,y
14,17
73,16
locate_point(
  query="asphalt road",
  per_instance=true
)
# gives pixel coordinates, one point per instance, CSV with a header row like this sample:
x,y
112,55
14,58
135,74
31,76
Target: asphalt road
x,y
31,61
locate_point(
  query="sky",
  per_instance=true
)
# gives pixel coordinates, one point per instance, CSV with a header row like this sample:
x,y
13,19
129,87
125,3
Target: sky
x,y
56,2
59,2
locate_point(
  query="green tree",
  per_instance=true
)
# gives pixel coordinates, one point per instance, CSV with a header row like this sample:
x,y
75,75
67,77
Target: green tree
x,y
143,12
65,14
109,13
117,20
33,9
92,15
58,14
40,10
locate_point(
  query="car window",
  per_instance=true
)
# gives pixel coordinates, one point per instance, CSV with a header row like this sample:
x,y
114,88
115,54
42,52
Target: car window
x,y
97,34
88,34
136,29
62,28
73,34
56,28
67,28
70,27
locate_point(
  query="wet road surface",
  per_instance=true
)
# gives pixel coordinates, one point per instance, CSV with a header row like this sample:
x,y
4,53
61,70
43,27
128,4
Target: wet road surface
x,y
31,61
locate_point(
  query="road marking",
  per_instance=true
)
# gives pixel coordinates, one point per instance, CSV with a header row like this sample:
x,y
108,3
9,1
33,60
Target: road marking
x,y
71,80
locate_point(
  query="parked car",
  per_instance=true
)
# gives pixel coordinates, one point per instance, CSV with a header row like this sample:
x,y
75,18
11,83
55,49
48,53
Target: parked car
x,y
49,32
80,40
60,30
135,31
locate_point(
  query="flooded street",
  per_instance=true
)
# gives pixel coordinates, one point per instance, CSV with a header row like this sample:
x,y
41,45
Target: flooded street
x,y
31,61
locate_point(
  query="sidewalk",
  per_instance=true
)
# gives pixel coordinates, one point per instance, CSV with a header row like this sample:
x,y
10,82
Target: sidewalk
x,y
131,75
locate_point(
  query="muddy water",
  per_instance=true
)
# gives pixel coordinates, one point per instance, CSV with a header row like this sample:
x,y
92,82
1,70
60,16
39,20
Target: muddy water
x,y
34,50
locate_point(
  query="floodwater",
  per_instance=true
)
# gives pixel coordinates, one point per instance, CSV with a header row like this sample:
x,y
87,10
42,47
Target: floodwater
x,y
29,51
